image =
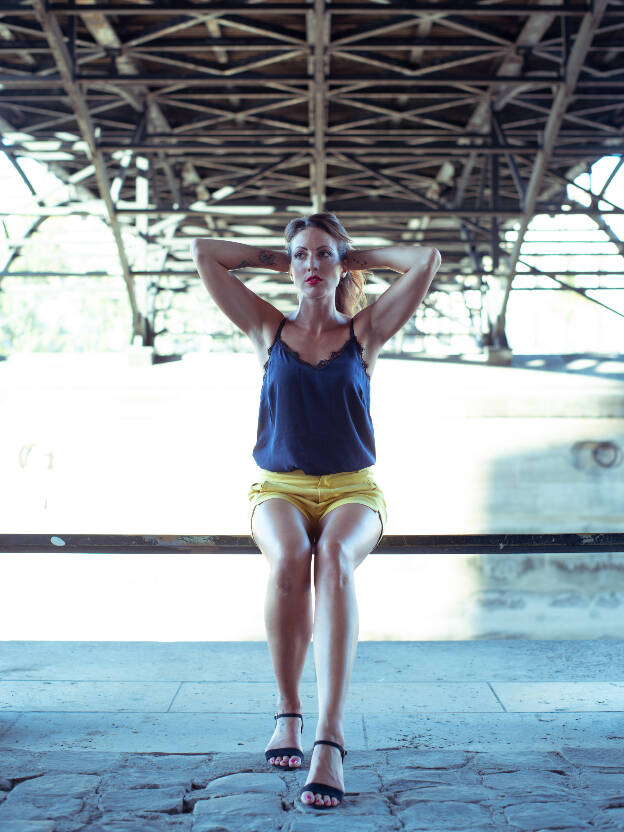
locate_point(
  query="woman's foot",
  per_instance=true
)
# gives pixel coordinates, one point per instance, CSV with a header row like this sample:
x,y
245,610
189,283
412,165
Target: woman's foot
x,y
287,734
325,767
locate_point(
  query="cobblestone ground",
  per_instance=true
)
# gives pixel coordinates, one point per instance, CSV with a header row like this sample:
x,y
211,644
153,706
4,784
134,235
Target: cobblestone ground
x,y
401,789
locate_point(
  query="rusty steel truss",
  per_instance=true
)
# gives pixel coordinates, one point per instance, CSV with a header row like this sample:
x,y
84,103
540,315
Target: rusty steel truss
x,y
434,123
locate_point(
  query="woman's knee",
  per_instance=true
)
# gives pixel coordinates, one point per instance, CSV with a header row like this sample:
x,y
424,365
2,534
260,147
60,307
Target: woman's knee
x,y
290,569
290,558
333,562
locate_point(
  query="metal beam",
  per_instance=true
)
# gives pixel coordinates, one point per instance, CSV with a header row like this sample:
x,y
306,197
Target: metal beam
x,y
378,209
153,120
440,9
402,149
32,81
577,289
562,98
54,36
502,140
187,45
15,250
318,35
396,544
481,117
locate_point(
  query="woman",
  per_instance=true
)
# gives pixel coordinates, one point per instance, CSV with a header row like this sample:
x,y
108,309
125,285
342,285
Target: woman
x,y
315,450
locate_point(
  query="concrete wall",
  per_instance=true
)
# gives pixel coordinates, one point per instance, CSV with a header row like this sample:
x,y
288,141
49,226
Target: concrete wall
x,y
92,444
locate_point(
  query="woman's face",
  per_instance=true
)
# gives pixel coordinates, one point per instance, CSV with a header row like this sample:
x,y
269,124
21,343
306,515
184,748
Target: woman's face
x,y
315,252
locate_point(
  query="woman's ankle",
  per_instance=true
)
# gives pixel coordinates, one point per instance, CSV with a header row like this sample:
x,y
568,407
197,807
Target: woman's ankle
x,y
330,730
288,706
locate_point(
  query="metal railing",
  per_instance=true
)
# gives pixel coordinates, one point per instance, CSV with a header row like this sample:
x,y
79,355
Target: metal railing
x,y
393,544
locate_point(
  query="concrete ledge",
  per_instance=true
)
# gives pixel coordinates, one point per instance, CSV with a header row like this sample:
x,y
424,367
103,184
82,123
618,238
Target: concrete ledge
x,y
196,697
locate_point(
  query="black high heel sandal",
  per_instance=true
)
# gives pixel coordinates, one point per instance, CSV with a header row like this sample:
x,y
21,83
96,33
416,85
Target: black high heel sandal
x,y
323,788
282,752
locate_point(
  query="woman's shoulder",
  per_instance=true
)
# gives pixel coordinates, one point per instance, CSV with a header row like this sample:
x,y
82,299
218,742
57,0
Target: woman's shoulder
x,y
270,328
265,337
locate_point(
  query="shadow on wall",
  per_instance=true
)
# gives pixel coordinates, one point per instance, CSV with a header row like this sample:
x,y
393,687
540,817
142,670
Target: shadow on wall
x,y
559,486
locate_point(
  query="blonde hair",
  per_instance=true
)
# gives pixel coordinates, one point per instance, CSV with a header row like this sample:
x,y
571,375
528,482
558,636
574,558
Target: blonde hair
x,y
350,295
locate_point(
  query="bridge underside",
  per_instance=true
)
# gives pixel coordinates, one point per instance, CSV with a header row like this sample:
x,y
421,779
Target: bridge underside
x,y
437,123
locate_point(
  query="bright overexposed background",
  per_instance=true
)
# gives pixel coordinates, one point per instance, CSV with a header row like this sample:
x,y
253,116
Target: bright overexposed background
x,y
81,400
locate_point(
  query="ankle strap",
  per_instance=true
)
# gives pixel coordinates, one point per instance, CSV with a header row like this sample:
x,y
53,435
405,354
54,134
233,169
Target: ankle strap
x,y
299,715
343,753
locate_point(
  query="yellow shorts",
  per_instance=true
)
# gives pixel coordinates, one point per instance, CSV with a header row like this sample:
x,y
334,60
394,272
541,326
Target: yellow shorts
x,y
315,496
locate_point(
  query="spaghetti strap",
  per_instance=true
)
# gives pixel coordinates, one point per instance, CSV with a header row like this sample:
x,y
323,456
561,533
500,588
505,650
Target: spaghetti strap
x,y
352,330
275,340
279,329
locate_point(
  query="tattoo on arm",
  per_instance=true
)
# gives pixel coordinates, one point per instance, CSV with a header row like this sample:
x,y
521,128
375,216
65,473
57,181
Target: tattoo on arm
x,y
357,261
266,257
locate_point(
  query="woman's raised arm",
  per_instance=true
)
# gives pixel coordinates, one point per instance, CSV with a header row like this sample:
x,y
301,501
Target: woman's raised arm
x,y
215,258
393,309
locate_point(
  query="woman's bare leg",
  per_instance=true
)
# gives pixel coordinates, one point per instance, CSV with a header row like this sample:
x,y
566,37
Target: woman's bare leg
x,y
282,534
346,536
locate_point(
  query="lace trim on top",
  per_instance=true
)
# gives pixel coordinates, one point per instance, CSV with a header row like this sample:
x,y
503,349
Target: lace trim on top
x,y
361,352
324,361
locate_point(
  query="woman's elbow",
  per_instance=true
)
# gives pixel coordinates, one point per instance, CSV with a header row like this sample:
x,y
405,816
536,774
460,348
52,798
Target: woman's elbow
x,y
434,260
201,245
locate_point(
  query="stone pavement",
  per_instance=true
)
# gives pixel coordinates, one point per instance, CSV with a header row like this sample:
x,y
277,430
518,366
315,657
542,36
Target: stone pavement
x,y
481,735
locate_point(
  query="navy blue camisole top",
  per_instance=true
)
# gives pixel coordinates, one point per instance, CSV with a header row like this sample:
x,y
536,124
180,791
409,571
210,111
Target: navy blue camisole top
x,y
315,417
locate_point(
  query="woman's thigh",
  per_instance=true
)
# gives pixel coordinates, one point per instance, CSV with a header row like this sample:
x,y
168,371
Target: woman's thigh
x,y
349,531
281,531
